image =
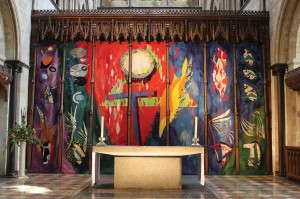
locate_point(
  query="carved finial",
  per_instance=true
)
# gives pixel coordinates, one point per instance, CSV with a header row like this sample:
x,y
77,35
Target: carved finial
x,y
149,30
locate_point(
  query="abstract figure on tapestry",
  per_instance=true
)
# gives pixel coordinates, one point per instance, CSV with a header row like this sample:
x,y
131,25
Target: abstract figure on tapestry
x,y
249,93
178,92
47,137
76,149
47,103
252,137
247,57
254,159
111,91
220,106
77,146
145,63
77,103
219,73
256,130
185,98
249,74
79,71
222,125
147,77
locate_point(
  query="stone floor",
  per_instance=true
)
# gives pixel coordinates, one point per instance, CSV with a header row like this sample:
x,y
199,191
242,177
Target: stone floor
x,y
44,186
254,187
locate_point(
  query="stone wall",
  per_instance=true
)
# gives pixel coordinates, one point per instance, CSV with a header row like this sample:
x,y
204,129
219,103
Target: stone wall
x,y
284,26
2,42
3,131
7,51
274,7
254,5
292,97
22,14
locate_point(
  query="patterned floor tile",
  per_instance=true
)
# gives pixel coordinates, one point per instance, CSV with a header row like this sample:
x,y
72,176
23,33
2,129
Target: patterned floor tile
x,y
44,186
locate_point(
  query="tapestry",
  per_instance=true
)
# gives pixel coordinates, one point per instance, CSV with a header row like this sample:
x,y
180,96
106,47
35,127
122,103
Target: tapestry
x,y
186,98
111,91
148,101
77,75
252,137
147,107
220,105
46,107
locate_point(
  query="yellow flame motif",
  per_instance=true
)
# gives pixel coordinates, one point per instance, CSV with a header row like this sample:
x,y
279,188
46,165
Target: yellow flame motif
x,y
176,90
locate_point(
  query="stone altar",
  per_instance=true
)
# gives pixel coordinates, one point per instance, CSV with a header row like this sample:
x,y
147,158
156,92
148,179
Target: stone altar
x,y
147,167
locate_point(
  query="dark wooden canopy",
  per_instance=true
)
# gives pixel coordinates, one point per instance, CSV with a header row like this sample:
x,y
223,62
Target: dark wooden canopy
x,y
150,24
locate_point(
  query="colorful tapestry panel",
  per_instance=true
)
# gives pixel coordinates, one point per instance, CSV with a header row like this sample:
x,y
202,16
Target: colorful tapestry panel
x,y
78,67
111,90
252,137
220,104
148,101
46,107
186,98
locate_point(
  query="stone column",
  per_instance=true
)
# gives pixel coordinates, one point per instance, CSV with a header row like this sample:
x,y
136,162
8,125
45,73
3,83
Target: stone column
x,y
10,165
279,71
16,67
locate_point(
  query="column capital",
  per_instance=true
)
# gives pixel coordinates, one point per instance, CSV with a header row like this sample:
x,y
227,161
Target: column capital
x,y
16,65
278,69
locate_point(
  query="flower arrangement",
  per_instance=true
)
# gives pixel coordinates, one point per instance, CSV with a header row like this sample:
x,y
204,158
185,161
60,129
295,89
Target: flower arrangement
x,y
23,132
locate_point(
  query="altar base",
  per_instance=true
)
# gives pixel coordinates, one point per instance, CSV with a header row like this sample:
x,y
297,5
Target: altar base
x,y
148,173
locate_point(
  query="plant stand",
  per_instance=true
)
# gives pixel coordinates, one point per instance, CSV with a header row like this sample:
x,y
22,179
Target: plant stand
x,y
22,160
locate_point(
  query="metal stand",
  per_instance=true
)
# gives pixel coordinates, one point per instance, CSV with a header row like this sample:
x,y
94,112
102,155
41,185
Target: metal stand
x,y
195,142
101,143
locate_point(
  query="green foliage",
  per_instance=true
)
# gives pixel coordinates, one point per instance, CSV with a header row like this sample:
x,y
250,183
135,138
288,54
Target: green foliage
x,y
23,132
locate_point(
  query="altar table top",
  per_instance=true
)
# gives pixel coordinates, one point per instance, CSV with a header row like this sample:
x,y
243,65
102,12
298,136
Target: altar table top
x,y
156,151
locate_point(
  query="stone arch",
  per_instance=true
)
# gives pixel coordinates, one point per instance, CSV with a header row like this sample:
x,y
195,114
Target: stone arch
x,y
9,51
286,50
297,46
294,41
293,98
283,31
10,32
281,15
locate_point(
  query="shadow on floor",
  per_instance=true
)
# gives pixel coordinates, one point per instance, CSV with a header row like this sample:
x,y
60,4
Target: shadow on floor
x,y
105,189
